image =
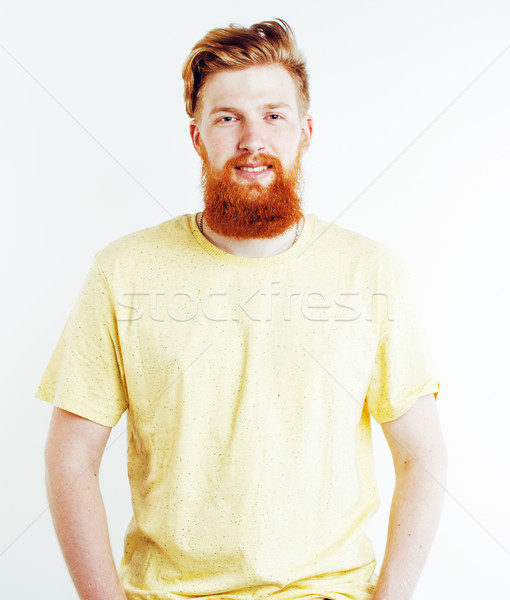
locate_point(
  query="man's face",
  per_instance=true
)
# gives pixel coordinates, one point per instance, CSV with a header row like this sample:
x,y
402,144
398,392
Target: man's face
x,y
251,136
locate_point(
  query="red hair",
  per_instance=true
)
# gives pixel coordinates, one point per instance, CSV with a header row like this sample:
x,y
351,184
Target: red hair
x,y
237,47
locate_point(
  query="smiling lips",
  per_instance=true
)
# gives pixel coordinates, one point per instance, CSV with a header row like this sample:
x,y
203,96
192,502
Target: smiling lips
x,y
254,173
250,169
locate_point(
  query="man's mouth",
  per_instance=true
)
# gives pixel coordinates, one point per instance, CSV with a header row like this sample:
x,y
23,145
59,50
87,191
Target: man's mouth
x,y
254,169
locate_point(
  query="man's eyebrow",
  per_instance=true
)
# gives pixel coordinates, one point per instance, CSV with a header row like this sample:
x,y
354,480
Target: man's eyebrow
x,y
270,106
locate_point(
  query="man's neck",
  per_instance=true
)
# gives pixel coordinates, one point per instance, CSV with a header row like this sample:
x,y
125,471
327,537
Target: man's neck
x,y
252,248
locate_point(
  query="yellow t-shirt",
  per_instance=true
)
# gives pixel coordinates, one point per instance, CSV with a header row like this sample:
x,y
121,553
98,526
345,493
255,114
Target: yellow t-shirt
x,y
248,385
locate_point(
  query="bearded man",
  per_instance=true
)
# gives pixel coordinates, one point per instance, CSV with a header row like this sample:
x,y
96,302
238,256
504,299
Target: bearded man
x,y
249,403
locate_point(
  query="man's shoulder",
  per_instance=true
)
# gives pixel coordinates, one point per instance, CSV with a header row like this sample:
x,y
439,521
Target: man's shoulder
x,y
355,247
140,245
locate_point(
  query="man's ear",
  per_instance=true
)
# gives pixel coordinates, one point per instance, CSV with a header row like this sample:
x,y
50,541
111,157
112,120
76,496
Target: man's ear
x,y
306,131
194,132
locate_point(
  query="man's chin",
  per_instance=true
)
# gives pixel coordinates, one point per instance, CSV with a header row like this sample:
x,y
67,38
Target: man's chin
x,y
252,185
252,191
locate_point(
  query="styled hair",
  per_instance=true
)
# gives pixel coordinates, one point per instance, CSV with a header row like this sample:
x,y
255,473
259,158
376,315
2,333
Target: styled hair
x,y
238,47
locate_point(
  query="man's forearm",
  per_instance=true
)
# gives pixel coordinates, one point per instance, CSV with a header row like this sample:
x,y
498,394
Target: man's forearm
x,y
80,522
414,517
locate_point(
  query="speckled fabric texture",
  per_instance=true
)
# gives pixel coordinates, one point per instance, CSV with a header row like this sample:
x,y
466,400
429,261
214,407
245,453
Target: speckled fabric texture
x,y
248,385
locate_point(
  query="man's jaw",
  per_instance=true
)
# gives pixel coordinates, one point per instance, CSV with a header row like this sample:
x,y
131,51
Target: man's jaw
x,y
250,203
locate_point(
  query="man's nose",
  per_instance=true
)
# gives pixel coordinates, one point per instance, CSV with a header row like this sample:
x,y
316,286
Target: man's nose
x,y
252,137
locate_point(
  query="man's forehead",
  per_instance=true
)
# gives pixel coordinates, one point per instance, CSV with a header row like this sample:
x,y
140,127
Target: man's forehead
x,y
268,86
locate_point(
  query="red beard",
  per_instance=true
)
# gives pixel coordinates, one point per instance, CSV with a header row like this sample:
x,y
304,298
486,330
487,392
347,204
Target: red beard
x,y
251,210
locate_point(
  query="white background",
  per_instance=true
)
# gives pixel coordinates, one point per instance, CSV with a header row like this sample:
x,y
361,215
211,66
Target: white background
x,y
411,147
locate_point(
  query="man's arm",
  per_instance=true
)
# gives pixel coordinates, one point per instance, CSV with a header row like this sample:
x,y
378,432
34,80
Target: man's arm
x,y
74,449
419,456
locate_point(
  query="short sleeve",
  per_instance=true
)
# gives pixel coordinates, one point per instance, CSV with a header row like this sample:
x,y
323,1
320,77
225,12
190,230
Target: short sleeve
x,y
402,370
85,373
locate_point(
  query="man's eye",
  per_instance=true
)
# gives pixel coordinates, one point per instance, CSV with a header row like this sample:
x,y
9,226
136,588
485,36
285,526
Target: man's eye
x,y
274,117
226,119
